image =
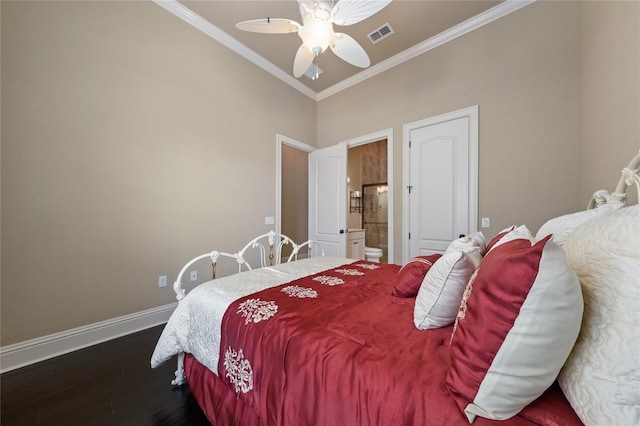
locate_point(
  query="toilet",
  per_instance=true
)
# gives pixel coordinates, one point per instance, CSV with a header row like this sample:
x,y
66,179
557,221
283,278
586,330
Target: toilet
x,y
372,254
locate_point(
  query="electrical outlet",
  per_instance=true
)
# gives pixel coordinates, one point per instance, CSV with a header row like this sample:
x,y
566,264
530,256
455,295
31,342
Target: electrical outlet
x,y
194,275
486,222
162,281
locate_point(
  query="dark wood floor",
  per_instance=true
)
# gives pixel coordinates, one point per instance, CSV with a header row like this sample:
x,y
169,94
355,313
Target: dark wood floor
x,y
108,384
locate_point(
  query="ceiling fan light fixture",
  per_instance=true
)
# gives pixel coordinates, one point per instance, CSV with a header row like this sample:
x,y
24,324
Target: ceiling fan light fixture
x,y
317,31
316,34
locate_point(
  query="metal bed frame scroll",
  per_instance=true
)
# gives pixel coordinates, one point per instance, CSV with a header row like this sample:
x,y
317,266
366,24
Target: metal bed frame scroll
x,y
269,247
630,176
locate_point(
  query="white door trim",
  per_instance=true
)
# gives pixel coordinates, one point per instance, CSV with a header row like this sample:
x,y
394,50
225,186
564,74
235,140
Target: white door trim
x,y
373,137
284,140
353,142
472,114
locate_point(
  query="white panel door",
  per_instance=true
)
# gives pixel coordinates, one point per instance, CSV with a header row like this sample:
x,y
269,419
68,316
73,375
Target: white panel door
x,y
328,198
442,185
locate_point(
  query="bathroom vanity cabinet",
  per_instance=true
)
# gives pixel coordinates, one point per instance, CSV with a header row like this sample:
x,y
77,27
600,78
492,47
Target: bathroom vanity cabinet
x,y
355,244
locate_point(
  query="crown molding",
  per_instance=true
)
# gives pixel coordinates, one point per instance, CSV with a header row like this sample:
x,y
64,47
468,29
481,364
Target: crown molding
x,y
471,24
225,39
496,12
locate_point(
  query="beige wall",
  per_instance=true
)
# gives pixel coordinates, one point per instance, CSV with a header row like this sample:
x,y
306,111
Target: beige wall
x,y
526,74
295,194
354,173
130,143
610,93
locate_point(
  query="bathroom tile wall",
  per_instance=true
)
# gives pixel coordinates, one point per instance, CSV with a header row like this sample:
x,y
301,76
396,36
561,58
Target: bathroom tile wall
x,y
374,171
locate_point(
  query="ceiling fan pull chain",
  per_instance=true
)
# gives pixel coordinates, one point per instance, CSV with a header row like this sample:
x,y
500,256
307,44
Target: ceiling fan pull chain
x,y
315,72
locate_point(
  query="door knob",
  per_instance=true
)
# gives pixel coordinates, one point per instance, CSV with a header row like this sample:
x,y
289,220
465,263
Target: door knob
x,y
342,231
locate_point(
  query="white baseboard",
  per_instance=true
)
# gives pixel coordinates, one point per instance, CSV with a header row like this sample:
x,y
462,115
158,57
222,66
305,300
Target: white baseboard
x,y
35,350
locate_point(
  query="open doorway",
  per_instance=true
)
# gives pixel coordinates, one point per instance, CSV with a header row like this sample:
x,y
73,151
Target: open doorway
x,y
376,167
368,194
385,135
292,205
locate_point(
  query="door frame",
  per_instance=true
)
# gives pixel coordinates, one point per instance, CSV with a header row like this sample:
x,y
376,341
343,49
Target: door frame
x,y
285,140
374,137
472,114
353,142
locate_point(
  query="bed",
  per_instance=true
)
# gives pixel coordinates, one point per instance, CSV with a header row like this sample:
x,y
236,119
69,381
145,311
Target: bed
x,y
516,329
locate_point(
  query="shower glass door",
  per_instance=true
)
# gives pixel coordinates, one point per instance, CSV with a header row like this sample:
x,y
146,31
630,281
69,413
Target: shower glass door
x,y
374,217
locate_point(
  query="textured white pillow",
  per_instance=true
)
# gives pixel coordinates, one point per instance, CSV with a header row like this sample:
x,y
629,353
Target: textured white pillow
x,y
441,291
601,378
562,226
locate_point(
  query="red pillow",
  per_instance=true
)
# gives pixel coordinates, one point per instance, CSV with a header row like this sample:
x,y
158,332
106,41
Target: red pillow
x,y
498,237
410,276
518,320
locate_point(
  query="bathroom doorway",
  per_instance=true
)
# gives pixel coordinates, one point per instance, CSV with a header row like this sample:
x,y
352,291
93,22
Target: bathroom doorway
x,y
383,165
367,181
375,204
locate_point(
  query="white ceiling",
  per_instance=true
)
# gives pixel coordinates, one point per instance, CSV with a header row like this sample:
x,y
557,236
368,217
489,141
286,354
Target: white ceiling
x,y
418,26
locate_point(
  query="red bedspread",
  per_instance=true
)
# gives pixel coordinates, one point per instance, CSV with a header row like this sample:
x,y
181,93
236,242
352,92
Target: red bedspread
x,y
336,348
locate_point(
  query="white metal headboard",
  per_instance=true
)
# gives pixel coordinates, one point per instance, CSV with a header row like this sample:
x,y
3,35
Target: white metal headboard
x,y
269,246
630,176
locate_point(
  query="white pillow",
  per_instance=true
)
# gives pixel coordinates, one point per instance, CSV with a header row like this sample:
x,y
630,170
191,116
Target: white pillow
x,y
439,296
601,378
469,243
562,226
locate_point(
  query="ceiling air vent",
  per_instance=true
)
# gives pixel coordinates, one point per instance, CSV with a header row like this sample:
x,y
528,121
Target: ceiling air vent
x,y
382,32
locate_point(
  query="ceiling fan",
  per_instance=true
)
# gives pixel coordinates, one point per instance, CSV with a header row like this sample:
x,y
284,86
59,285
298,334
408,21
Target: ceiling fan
x,y
316,31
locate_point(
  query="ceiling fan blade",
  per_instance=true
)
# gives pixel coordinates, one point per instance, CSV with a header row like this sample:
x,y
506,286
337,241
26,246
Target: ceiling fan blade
x,y
347,49
269,26
302,62
349,12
